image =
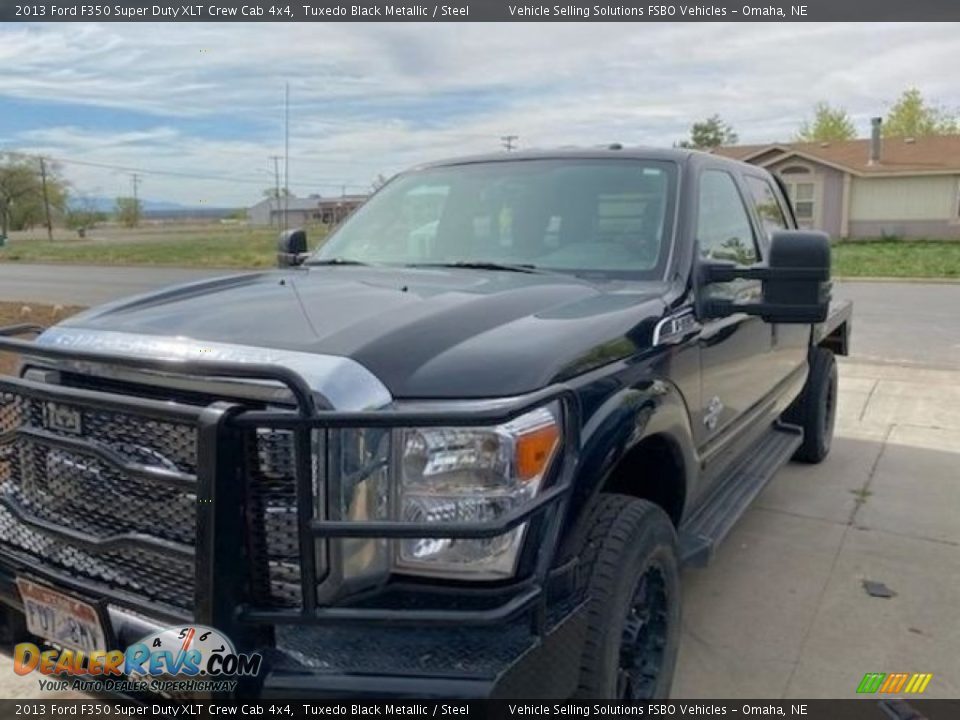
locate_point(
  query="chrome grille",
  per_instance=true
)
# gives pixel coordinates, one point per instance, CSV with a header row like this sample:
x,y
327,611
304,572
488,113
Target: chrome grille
x,y
79,491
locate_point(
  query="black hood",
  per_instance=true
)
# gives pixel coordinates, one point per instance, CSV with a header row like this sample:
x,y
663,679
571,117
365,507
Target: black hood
x,y
426,333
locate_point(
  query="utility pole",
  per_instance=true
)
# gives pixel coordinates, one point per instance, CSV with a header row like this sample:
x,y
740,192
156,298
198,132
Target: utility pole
x,y
286,153
46,198
507,141
276,185
135,179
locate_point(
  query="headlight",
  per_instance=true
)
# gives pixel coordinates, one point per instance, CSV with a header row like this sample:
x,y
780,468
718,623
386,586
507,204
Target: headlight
x,y
451,475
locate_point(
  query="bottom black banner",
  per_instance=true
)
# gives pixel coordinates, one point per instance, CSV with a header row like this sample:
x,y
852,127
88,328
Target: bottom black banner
x,y
861,709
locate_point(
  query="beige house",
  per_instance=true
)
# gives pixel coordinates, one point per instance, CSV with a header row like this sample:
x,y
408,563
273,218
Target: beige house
x,y
906,187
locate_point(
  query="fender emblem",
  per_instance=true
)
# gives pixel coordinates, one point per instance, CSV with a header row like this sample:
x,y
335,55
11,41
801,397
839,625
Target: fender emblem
x,y
712,415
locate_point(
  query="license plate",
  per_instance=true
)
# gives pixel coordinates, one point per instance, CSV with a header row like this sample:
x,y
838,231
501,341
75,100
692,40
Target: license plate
x,y
60,618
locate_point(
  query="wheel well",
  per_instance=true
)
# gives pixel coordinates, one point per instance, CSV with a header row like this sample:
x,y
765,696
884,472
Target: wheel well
x,y
838,341
653,470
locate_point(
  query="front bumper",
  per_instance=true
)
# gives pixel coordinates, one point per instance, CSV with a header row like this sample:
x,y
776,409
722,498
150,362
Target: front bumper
x,y
502,661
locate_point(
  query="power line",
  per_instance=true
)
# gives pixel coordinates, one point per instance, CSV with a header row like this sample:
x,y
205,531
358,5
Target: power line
x,y
173,173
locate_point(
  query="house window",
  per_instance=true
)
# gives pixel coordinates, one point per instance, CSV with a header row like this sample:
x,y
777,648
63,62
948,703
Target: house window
x,y
803,197
803,200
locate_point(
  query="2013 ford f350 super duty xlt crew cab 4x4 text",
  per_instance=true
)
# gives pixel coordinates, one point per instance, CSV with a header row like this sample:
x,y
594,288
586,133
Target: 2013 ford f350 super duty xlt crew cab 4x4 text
x,y
460,450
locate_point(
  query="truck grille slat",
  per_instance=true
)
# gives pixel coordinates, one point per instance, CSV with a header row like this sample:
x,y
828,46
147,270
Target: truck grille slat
x,y
155,577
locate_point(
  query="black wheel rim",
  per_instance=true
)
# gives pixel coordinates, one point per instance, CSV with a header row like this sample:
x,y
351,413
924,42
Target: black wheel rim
x,y
644,638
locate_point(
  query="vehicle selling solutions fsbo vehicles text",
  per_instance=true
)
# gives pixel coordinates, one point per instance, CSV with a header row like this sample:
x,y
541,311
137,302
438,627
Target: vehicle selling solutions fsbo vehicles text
x,y
585,12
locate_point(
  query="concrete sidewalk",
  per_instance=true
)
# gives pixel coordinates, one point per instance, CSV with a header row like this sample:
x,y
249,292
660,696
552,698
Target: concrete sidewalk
x,y
782,612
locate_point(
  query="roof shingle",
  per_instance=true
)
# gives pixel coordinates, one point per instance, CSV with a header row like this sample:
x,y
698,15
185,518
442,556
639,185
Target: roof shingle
x,y
931,154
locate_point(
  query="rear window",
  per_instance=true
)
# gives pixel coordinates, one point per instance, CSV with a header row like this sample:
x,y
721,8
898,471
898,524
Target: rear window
x,y
768,207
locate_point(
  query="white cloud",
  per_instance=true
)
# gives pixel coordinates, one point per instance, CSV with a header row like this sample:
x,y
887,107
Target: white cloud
x,y
371,98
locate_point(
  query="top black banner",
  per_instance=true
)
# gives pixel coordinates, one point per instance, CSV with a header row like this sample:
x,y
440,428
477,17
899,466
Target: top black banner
x,y
478,11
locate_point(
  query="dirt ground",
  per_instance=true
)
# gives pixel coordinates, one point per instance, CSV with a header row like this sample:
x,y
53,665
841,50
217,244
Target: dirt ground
x,y
15,313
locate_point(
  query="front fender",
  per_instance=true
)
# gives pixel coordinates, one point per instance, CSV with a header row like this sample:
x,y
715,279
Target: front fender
x,y
618,425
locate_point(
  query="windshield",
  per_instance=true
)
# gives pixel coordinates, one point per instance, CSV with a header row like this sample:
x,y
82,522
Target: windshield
x,y
606,216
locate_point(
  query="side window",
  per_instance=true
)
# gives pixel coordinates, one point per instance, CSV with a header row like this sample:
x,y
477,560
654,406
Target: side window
x,y
767,205
723,225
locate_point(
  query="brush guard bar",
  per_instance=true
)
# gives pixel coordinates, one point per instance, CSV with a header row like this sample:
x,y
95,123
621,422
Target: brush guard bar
x,y
220,597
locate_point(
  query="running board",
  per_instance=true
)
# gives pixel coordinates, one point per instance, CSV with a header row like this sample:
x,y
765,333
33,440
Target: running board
x,y
735,490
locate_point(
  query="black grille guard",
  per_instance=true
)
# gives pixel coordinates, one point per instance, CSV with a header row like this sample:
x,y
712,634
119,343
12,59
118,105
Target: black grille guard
x,y
218,480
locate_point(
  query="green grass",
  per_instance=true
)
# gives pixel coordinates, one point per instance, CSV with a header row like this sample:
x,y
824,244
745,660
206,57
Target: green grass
x,y
214,246
245,247
897,258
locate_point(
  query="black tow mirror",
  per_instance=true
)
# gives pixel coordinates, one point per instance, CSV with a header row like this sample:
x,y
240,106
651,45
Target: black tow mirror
x,y
291,248
795,280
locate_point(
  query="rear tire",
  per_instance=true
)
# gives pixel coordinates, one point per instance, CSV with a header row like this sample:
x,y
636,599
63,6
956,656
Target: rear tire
x,y
815,409
630,575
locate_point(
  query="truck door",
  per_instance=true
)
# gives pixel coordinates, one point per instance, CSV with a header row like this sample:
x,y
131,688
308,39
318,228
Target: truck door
x,y
736,364
789,342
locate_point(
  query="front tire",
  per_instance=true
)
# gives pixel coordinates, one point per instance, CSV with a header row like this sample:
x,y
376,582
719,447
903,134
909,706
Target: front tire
x,y
630,571
815,410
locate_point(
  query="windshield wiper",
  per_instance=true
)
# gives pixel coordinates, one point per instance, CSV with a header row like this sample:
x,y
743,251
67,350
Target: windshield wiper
x,y
481,265
334,261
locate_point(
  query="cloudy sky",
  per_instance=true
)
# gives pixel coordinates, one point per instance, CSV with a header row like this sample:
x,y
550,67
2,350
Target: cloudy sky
x,y
204,102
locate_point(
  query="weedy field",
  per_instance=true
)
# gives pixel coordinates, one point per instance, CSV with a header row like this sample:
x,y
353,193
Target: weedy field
x,y
14,313
208,245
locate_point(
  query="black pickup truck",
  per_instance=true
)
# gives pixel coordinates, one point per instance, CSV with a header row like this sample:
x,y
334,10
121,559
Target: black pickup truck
x,y
461,450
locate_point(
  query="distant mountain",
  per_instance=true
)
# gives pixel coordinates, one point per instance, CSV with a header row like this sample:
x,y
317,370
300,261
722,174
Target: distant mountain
x,y
154,208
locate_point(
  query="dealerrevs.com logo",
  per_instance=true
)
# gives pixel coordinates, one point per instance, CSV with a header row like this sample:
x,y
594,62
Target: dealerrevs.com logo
x,y
182,659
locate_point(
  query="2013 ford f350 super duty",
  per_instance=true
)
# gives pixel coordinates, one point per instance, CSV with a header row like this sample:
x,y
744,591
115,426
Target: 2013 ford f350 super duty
x,y
460,450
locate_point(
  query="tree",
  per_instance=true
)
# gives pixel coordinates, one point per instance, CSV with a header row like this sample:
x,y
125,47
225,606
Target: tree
x,y
829,124
710,133
82,215
128,211
912,116
21,192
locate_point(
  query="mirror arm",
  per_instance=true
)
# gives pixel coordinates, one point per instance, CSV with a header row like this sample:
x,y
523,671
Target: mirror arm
x,y
291,259
725,308
716,272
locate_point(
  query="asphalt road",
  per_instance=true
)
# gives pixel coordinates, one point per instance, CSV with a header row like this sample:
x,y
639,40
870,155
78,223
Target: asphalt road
x,y
88,284
905,323
912,323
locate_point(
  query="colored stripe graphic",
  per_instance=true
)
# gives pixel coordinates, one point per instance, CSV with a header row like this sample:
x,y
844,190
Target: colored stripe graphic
x,y
871,682
912,683
924,680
